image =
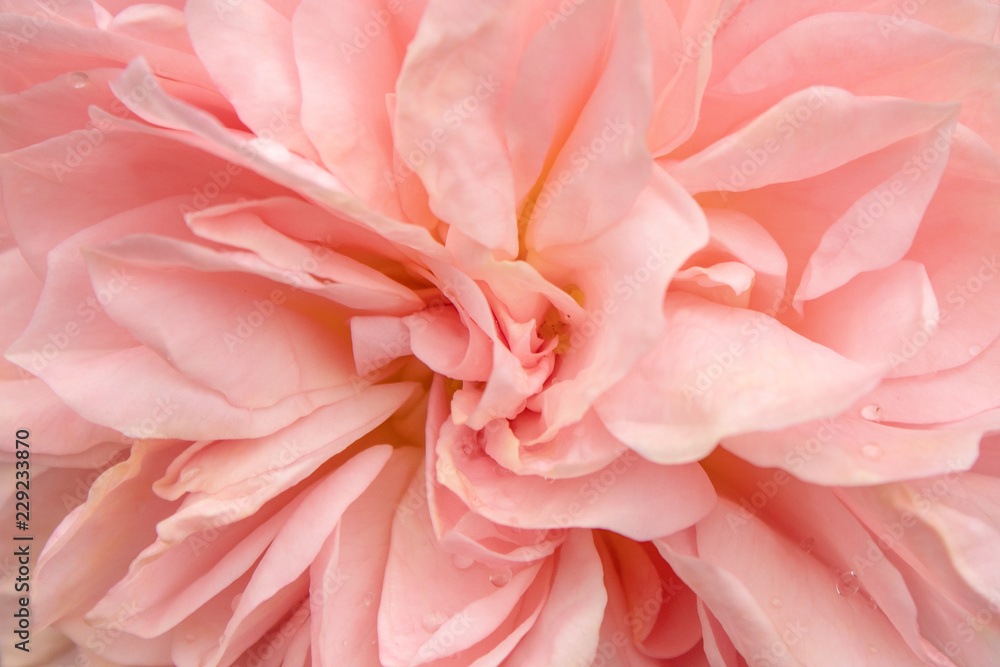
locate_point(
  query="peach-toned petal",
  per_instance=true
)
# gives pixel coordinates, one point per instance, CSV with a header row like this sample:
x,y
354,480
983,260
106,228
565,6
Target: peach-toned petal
x,y
266,96
721,371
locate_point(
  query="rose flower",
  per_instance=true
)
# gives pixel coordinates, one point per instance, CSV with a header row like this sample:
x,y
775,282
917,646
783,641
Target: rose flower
x,y
467,332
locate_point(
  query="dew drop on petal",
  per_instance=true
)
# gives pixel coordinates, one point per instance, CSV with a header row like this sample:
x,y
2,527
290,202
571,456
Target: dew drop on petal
x,y
501,578
873,649
776,602
369,598
78,79
807,544
848,584
467,449
189,474
433,620
975,350
871,451
871,412
190,637
461,562
872,603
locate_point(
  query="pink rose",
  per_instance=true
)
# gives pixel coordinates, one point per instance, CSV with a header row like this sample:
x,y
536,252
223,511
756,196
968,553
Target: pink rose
x,y
477,333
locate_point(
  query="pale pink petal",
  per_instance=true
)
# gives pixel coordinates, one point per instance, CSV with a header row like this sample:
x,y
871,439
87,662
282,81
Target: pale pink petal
x,y
266,95
78,550
187,124
566,631
603,164
736,236
430,607
295,546
767,594
623,275
958,243
906,59
597,500
849,450
346,578
721,371
349,56
865,319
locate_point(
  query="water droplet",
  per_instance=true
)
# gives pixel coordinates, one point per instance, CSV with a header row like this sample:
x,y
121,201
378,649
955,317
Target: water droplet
x,y
78,79
236,601
873,649
871,412
776,602
190,473
462,562
975,350
369,598
807,544
501,578
433,620
467,449
848,584
872,603
871,451
190,637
